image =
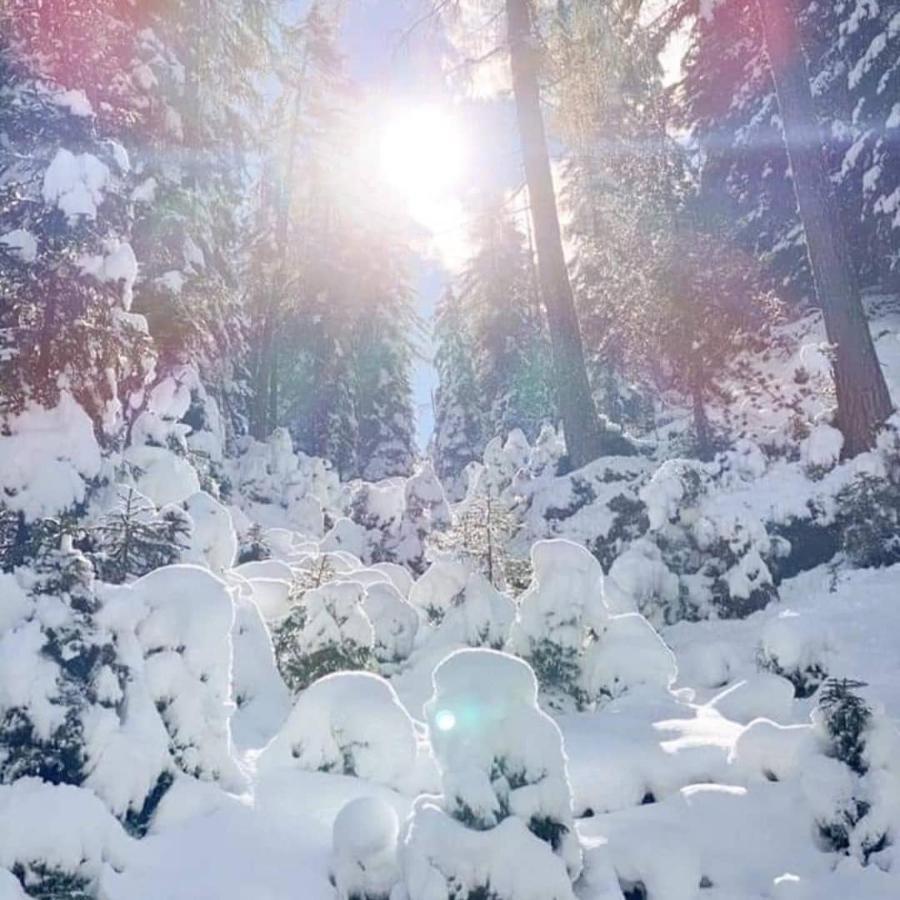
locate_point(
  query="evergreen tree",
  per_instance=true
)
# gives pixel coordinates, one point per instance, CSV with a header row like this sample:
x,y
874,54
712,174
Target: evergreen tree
x,y
458,437
66,264
133,538
498,296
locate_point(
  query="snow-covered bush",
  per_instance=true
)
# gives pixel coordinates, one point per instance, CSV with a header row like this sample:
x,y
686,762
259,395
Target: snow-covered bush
x,y
581,653
261,698
57,840
350,723
553,622
394,622
60,673
364,850
719,547
278,487
798,649
868,517
845,721
462,605
174,629
327,632
213,539
505,791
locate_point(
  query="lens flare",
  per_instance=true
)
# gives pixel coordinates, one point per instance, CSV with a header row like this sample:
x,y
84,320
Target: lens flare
x,y
445,720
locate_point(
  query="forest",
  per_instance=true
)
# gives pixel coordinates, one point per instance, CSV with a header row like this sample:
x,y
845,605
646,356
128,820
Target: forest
x,y
448,449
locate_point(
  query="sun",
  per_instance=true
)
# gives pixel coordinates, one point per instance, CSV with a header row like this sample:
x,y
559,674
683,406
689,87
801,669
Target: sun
x,y
422,154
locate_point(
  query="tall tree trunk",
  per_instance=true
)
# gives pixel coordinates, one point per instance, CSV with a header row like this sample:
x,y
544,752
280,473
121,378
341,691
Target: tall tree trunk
x,y
583,432
862,395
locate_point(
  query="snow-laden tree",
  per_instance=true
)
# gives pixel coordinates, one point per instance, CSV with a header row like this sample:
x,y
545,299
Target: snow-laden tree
x,y
505,795
133,538
327,632
67,267
580,652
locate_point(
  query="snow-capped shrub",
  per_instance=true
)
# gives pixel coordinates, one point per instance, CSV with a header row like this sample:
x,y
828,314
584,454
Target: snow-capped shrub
x,y
57,839
845,721
868,517
639,581
425,511
505,791
48,459
821,450
718,547
626,653
394,622
174,628
213,540
132,538
364,850
349,723
260,695
552,622
61,673
277,487
797,649
462,605
328,632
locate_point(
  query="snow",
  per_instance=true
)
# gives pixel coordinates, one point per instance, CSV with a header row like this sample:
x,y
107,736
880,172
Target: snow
x,y
47,456
75,183
21,242
61,827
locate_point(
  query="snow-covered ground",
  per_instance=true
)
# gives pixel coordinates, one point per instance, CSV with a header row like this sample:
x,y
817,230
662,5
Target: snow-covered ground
x,y
525,728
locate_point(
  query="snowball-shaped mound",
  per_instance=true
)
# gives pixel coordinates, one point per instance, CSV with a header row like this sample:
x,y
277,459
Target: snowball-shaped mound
x,y
484,615
394,621
265,568
58,827
797,647
442,858
213,539
350,723
335,614
364,849
628,653
349,536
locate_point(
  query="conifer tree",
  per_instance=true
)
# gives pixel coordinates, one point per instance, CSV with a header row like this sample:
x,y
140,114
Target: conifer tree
x,y
511,354
458,437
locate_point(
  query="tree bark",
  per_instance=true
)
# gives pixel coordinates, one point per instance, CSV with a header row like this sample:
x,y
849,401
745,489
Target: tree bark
x,y
581,425
862,395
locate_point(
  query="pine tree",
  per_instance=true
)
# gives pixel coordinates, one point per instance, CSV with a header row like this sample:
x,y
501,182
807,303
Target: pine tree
x,y
66,264
458,437
497,295
133,538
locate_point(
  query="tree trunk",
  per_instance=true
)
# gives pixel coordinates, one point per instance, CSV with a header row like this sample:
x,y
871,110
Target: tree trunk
x,y
583,432
862,395
702,433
